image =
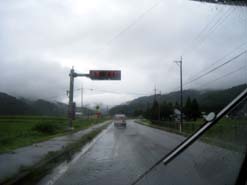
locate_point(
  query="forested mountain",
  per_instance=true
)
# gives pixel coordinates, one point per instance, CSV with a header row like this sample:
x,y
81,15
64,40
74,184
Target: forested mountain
x,y
10,105
208,100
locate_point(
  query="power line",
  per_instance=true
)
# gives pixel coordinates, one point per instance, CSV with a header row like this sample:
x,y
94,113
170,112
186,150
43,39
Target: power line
x,y
143,14
209,29
227,13
115,92
222,58
201,32
214,27
159,161
225,75
197,38
130,25
201,41
210,71
216,68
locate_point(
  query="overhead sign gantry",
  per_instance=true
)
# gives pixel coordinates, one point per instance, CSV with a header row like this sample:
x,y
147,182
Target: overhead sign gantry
x,y
93,75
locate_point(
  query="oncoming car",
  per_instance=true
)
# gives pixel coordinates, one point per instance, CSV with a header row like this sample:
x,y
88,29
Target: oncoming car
x,y
119,120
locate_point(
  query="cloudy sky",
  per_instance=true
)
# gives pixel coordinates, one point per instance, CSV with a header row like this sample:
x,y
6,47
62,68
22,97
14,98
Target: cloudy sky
x,y
41,40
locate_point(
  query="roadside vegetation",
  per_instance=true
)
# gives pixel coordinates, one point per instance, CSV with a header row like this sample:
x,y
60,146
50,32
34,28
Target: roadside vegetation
x,y
167,111
227,133
33,174
207,100
19,131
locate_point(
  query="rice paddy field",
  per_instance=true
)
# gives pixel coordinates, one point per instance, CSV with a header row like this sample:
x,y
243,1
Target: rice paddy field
x,y
19,131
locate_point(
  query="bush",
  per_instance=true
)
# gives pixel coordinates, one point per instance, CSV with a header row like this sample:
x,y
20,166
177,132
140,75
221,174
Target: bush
x,y
47,127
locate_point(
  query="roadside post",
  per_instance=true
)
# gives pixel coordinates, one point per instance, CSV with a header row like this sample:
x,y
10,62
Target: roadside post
x,y
93,75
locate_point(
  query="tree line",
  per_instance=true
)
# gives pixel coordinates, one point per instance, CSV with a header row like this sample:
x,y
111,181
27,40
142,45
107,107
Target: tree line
x,y
166,110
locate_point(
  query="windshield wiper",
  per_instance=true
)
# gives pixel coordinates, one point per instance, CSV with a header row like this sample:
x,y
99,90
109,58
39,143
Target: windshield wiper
x,y
191,139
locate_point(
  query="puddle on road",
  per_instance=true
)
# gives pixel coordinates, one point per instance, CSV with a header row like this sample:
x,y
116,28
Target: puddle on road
x,y
58,171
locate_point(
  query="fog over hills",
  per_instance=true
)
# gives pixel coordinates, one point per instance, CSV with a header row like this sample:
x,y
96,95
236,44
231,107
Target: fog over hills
x,y
10,105
140,38
209,100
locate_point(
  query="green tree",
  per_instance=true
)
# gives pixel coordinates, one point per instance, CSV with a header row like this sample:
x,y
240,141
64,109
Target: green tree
x,y
138,112
195,111
155,110
166,109
188,109
146,113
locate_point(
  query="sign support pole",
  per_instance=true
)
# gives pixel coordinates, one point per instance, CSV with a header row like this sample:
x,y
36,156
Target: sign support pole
x,y
94,75
71,93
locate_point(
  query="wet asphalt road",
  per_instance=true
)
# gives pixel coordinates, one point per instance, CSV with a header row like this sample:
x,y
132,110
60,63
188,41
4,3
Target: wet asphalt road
x,y
119,156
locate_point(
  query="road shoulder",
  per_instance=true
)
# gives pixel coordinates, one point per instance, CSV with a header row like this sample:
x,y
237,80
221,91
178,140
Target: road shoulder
x,y
22,161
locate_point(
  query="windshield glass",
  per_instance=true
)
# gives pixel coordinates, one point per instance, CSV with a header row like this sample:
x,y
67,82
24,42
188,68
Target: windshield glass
x,y
216,158
111,92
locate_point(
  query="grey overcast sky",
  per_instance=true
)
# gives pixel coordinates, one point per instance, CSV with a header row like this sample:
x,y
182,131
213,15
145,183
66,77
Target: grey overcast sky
x,y
41,40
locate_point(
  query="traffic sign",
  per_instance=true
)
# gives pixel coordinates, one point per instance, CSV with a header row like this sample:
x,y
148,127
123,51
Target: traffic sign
x,y
105,74
93,75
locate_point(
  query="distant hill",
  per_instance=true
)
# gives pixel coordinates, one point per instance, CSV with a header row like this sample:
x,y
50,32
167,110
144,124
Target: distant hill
x,y
209,100
10,105
46,108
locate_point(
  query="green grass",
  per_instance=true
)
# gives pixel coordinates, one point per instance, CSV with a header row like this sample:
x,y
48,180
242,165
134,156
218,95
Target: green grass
x,y
226,129
19,131
227,133
32,175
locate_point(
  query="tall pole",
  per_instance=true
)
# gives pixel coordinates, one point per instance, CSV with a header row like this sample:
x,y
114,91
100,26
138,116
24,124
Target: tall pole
x,y
180,62
94,75
81,98
159,102
155,92
181,94
71,92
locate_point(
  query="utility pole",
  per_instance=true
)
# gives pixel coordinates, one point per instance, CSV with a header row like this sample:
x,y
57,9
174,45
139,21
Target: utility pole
x,y
155,92
157,100
180,62
82,99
